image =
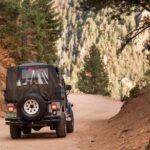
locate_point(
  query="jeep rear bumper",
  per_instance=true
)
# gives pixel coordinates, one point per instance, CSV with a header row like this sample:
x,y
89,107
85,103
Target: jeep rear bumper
x,y
44,122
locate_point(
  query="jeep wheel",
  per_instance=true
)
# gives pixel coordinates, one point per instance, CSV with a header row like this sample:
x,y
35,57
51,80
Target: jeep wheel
x,y
15,132
61,127
70,124
31,107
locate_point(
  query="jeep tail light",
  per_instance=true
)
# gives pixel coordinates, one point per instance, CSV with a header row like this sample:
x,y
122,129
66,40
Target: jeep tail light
x,y
11,108
54,106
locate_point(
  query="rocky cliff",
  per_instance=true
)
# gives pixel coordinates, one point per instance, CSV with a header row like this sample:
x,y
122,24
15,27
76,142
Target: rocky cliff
x,y
81,29
5,62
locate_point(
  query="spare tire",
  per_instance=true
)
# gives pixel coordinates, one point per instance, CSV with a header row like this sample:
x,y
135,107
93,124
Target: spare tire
x,y
31,107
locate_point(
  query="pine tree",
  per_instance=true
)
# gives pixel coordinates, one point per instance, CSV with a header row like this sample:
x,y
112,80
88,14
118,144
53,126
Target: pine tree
x,y
35,29
93,79
9,11
40,28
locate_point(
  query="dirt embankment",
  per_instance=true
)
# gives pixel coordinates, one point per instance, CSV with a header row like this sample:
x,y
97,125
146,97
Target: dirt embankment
x,y
5,62
130,128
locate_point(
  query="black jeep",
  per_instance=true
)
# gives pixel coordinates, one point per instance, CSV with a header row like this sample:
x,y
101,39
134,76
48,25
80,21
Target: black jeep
x,y
35,97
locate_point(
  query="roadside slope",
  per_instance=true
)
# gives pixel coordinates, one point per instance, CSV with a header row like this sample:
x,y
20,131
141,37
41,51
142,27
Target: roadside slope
x,y
130,128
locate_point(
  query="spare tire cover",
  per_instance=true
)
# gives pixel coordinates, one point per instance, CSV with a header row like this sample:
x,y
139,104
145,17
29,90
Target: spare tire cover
x,y
31,107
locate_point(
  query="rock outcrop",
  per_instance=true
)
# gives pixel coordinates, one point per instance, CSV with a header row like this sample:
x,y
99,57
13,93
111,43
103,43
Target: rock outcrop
x,y
5,62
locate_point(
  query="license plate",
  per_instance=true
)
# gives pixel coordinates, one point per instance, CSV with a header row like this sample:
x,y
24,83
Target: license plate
x,y
11,115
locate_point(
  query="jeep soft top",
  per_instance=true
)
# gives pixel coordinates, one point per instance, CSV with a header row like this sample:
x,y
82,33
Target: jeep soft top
x,y
27,77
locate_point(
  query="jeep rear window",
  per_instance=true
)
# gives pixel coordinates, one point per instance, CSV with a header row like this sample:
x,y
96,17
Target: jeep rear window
x,y
31,75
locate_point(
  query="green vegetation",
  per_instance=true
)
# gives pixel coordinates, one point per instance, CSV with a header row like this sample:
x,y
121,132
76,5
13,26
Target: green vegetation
x,y
122,7
30,29
93,78
119,9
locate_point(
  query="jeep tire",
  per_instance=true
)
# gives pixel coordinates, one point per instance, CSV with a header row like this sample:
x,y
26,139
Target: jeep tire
x,y
61,127
31,107
15,132
70,124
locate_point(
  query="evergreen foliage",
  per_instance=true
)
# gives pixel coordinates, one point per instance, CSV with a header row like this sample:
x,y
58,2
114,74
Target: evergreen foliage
x,y
35,31
121,8
119,5
93,79
9,11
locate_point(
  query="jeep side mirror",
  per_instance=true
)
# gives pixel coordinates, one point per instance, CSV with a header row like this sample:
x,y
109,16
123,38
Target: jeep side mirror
x,y
68,87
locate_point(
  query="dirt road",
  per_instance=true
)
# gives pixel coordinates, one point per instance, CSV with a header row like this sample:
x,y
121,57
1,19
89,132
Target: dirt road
x,y
88,110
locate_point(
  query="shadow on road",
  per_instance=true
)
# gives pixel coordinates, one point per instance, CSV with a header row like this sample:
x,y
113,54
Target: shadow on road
x,y
36,136
39,136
